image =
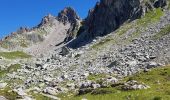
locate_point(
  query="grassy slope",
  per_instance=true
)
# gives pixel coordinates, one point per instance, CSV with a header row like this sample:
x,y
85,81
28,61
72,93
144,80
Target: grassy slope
x,y
10,69
158,79
14,55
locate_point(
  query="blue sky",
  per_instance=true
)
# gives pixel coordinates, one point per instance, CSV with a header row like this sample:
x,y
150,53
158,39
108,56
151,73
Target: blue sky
x,y
16,13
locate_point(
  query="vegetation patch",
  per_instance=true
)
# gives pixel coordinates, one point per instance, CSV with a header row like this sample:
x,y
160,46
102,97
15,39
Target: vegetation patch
x,y
10,69
162,33
158,79
95,77
38,96
150,17
14,55
9,94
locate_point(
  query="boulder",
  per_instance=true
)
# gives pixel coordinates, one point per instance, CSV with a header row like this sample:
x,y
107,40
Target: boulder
x,y
85,84
134,85
152,65
50,90
64,51
3,85
94,86
111,80
20,92
2,98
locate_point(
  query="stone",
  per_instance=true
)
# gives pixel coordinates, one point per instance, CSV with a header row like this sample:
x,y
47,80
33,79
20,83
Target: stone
x,y
85,74
94,86
111,80
86,84
50,90
132,63
71,86
45,66
27,98
64,76
160,3
64,51
20,92
134,85
2,98
152,65
3,85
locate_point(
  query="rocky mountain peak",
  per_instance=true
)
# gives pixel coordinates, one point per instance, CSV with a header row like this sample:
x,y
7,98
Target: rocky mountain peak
x,y
47,19
23,30
68,15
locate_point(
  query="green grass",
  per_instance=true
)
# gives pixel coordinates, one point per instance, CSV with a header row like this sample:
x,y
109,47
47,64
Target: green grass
x,y
8,94
12,68
14,55
38,96
158,79
151,17
95,77
162,33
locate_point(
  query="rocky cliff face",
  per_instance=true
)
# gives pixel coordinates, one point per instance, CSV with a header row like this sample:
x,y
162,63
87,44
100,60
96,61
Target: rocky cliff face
x,y
69,15
108,15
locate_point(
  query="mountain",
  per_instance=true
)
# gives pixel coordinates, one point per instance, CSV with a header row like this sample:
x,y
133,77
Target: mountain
x,y
50,32
120,51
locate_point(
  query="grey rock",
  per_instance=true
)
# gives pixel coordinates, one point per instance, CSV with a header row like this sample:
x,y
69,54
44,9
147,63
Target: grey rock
x,y
111,80
50,90
134,85
71,86
20,92
85,84
2,98
94,86
64,51
3,85
152,65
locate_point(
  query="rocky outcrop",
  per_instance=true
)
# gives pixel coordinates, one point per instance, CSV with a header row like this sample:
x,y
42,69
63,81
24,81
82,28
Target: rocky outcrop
x,y
108,15
49,19
23,30
160,3
69,15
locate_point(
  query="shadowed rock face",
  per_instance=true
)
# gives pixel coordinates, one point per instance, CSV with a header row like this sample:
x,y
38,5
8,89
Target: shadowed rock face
x,y
108,15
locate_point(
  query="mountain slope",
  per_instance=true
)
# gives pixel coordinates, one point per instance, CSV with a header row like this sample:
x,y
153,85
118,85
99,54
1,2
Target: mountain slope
x,y
139,43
